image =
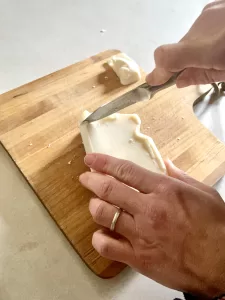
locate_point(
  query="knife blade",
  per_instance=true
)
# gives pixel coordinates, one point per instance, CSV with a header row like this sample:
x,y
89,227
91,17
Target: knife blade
x,y
141,93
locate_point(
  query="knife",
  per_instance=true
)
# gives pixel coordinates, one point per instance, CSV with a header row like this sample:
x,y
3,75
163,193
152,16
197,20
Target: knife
x,y
141,93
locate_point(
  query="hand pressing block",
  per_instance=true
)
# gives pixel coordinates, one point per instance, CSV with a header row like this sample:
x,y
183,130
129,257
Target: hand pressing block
x,y
119,135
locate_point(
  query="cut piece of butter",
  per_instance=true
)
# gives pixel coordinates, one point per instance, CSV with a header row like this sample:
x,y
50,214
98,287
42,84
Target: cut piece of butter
x,y
125,68
119,135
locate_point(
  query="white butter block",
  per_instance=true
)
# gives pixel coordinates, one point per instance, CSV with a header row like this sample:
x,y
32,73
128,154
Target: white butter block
x,y
125,68
119,135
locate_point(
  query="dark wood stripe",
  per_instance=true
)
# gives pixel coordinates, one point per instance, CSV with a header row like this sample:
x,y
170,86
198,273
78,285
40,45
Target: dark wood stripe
x,y
23,116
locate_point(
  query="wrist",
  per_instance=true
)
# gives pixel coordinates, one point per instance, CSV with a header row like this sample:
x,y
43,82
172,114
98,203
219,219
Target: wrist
x,y
210,274
214,270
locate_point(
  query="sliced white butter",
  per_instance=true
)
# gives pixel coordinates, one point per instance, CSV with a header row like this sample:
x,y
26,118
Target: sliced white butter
x,y
119,135
125,68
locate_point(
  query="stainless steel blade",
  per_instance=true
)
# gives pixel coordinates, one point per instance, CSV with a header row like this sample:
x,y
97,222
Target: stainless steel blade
x,y
139,94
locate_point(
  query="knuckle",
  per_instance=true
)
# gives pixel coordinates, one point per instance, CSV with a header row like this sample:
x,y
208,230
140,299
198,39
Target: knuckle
x,y
215,194
104,162
159,55
159,51
125,170
106,189
207,76
209,6
158,215
164,57
99,213
163,186
183,176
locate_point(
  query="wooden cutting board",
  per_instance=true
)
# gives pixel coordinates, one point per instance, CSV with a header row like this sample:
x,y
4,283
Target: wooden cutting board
x,y
39,129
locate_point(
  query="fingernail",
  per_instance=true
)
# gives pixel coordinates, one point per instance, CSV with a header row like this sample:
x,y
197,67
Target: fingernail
x,y
158,76
89,159
149,78
169,163
81,177
169,160
93,206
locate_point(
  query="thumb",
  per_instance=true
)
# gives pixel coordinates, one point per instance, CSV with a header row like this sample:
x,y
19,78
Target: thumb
x,y
158,76
185,54
194,76
176,173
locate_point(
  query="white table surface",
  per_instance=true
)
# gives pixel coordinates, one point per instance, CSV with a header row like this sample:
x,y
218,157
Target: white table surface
x,y
37,38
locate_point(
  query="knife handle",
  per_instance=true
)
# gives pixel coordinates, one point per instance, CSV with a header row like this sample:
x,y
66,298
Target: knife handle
x,y
154,89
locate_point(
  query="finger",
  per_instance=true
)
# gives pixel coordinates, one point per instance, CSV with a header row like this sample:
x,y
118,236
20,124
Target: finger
x,y
217,4
185,54
112,191
103,213
111,248
158,76
125,171
194,76
175,172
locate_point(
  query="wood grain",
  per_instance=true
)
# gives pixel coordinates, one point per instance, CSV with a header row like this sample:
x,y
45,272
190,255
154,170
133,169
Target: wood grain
x,y
39,129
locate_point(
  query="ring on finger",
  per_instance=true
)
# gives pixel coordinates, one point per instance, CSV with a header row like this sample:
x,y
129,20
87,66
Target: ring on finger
x,y
115,218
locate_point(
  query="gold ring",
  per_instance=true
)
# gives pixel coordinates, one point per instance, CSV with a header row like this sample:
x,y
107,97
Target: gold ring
x,y
115,218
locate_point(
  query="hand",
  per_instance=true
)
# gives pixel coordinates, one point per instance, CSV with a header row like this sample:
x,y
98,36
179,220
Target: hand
x,y
200,52
172,228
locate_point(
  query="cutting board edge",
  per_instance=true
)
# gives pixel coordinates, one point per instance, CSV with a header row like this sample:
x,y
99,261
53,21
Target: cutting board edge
x,y
103,274
117,267
111,52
